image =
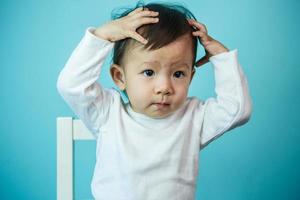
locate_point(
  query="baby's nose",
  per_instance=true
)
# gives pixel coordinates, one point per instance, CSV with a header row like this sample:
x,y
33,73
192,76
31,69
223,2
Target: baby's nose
x,y
164,91
164,87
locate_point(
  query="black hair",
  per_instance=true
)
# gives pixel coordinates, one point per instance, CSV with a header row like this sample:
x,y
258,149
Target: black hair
x,y
171,25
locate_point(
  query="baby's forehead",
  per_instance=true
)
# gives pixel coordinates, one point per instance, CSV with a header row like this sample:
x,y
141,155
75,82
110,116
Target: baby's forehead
x,y
160,65
162,57
178,52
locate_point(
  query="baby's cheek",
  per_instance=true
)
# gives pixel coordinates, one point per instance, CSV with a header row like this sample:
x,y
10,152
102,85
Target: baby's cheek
x,y
182,88
141,96
181,94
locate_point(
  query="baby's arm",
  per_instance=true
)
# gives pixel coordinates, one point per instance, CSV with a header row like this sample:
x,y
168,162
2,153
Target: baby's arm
x,y
77,81
232,107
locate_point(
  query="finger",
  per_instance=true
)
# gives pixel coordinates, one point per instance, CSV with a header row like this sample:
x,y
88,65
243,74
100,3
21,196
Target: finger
x,y
202,61
137,10
203,38
137,37
200,34
146,13
146,20
198,25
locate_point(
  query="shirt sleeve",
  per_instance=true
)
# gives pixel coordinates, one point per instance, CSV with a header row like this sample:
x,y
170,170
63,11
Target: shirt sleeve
x,y
232,105
77,82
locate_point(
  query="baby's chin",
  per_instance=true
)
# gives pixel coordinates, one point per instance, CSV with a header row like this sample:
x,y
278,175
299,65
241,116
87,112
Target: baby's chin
x,y
155,111
159,115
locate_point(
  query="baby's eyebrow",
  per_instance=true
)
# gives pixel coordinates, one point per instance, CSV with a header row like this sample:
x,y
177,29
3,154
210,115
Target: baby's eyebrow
x,y
173,63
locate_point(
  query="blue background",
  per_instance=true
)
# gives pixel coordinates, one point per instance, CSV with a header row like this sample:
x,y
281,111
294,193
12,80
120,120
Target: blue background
x,y
259,160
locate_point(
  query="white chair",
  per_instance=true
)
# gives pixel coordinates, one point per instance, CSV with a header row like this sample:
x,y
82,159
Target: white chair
x,y
68,130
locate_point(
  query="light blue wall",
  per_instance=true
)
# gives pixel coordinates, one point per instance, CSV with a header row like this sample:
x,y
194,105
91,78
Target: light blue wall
x,y
257,161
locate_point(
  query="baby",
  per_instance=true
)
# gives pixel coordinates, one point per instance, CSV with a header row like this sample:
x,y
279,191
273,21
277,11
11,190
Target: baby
x,y
148,148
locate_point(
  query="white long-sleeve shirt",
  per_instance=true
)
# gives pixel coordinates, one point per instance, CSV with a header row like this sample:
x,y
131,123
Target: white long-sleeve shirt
x,y
142,158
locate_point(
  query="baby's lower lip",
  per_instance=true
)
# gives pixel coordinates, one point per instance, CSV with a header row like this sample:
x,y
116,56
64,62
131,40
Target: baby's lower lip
x,y
161,105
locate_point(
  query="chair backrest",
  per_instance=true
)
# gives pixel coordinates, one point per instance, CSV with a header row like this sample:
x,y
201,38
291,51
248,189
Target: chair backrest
x,y
68,130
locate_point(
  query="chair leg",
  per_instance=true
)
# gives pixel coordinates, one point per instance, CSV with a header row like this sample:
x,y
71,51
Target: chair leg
x,y
64,158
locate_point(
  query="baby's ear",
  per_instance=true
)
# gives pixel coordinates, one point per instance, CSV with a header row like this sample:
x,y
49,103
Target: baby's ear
x,y
118,76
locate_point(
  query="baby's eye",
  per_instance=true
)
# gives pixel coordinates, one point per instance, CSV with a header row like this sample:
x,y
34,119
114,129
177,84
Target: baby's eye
x,y
178,74
148,72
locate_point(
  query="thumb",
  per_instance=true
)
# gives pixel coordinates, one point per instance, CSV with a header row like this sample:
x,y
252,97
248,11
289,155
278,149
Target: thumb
x,y
137,37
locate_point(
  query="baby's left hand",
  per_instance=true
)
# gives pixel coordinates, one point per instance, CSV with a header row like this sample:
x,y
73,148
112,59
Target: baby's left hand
x,y
212,47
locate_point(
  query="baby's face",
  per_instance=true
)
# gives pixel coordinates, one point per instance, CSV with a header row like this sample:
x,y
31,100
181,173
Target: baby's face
x,y
157,81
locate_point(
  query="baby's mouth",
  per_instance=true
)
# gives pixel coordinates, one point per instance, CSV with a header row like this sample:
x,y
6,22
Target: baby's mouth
x,y
161,105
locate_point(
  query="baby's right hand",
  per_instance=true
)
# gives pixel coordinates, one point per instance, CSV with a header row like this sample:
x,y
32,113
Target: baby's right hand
x,y
126,26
